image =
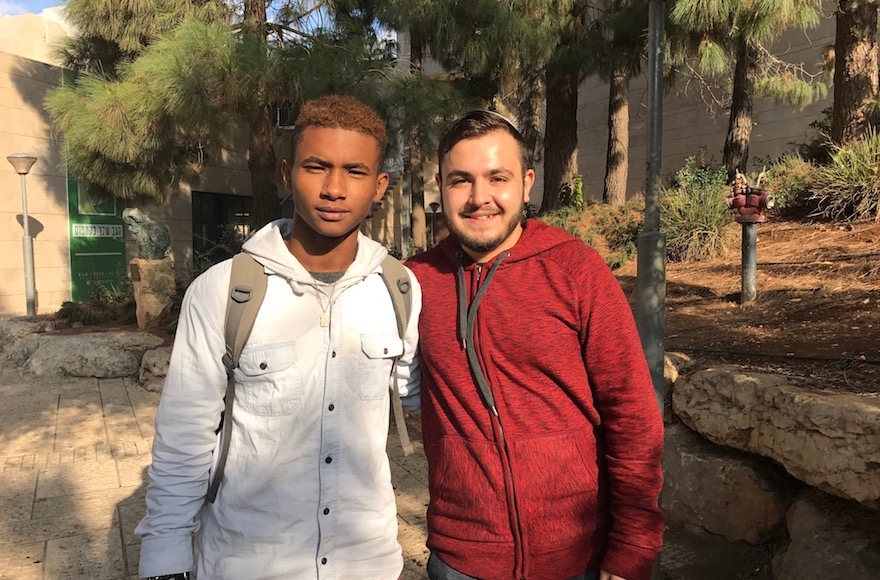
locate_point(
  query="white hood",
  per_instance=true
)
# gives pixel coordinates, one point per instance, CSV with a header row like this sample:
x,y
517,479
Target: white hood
x,y
268,248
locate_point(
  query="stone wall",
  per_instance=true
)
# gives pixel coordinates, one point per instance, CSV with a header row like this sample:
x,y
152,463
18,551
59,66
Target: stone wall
x,y
775,463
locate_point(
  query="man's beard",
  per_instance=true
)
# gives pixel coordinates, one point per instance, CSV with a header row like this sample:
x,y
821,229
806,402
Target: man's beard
x,y
487,245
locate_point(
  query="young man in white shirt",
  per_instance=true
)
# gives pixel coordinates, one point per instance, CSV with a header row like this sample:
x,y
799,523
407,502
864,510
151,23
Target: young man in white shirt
x,y
306,491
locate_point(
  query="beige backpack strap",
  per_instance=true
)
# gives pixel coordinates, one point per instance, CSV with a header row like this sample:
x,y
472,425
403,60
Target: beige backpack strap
x,y
247,288
399,285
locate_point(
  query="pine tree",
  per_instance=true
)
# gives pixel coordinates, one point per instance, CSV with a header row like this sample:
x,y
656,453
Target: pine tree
x,y
717,32
617,40
855,68
152,103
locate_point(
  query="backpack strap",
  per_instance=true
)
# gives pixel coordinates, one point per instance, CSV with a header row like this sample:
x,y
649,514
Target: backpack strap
x,y
397,280
247,288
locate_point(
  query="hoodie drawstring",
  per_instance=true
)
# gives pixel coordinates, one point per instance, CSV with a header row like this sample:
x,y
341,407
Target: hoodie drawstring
x,y
466,321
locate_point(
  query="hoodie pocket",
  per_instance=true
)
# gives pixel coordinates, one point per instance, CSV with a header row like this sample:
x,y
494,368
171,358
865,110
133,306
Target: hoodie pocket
x,y
267,379
374,371
557,487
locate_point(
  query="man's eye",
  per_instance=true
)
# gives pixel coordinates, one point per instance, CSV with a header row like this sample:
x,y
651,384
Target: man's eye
x,y
359,172
313,168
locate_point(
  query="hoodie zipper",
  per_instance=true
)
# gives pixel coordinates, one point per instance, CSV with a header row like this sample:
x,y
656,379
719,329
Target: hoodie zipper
x,y
513,512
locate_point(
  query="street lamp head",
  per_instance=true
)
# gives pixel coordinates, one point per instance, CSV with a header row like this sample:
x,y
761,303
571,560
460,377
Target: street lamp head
x,y
22,162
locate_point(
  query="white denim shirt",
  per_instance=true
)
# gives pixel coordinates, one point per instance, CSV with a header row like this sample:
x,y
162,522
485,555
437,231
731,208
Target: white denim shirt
x,y
307,486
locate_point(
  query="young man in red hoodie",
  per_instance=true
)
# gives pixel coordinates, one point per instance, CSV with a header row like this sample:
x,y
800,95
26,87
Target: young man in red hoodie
x,y
540,423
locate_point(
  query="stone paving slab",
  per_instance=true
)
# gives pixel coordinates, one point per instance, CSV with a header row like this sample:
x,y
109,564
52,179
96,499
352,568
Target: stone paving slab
x,y
73,459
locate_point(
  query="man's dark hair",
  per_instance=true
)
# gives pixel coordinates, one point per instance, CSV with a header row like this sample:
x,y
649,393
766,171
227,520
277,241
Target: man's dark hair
x,y
341,112
477,124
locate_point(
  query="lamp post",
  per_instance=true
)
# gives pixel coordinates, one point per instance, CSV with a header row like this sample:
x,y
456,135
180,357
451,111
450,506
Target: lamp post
x,y
434,207
22,163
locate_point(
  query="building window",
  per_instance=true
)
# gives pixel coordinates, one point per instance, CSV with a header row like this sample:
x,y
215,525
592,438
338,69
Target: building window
x,y
220,225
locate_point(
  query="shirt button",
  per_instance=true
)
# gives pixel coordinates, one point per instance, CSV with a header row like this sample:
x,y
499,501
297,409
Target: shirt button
x,y
331,407
333,354
326,511
323,560
328,460
263,366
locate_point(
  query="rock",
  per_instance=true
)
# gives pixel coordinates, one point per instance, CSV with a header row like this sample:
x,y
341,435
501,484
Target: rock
x,y
674,365
828,440
715,489
154,368
152,238
831,539
154,289
102,355
14,329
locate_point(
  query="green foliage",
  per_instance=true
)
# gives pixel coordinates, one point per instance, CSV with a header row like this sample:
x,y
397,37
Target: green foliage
x,y
577,191
694,215
787,89
107,304
621,227
791,179
848,187
616,228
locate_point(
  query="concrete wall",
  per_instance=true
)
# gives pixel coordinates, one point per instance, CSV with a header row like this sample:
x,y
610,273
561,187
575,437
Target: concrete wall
x,y
688,127
25,127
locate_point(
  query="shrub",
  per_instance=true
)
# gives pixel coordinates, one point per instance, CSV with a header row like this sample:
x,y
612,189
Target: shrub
x,y
791,179
618,227
694,215
621,227
848,187
108,303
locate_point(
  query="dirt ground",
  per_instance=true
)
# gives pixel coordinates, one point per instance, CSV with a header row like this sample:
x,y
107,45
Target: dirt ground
x,y
816,314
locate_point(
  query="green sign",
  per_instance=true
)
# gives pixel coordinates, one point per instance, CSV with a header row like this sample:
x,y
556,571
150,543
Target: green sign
x,y
97,241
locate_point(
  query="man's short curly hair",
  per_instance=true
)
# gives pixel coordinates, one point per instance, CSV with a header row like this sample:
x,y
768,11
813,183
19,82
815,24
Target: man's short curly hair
x,y
341,112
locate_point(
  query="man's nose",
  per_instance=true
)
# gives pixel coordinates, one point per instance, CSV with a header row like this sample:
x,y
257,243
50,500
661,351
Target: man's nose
x,y
479,193
334,185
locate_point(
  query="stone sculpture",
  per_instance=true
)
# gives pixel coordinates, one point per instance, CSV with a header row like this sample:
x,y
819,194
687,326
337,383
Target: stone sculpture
x,y
152,238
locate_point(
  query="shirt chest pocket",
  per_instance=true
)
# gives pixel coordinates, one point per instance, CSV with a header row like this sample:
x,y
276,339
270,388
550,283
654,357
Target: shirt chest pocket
x,y
267,379
378,352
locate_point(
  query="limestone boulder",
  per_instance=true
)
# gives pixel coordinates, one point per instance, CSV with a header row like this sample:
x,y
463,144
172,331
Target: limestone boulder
x,y
14,329
675,364
154,368
719,490
154,289
831,539
828,440
103,355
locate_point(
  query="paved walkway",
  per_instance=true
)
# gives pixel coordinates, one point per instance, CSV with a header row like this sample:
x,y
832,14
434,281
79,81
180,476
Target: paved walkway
x,y
74,454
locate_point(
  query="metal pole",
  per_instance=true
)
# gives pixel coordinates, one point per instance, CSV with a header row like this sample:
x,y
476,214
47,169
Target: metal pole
x,y
27,245
651,280
749,261
651,277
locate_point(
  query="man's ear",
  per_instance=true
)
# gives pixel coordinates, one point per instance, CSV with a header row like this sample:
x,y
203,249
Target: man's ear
x,y
528,182
437,179
285,174
381,186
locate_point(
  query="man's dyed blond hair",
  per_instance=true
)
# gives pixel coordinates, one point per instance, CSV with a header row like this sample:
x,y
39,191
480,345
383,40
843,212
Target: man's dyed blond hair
x,y
341,112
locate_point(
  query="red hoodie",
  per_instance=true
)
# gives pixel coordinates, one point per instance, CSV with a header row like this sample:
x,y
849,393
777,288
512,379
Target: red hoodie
x,y
555,470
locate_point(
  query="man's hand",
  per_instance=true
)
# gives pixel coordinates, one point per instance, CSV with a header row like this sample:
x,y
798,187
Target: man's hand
x,y
603,575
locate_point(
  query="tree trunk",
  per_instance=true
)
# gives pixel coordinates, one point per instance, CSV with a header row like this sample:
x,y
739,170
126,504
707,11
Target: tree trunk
x,y
416,161
261,163
739,128
617,155
855,68
528,109
560,141
261,151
